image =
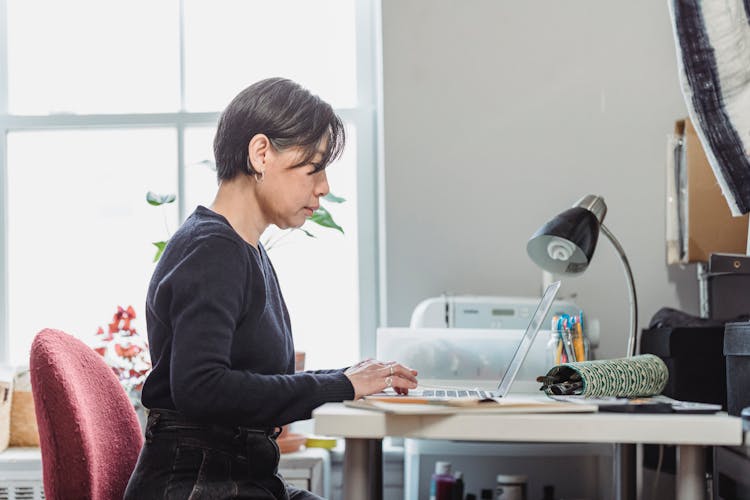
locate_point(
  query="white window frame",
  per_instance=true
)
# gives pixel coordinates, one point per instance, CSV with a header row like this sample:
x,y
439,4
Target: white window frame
x,y
366,117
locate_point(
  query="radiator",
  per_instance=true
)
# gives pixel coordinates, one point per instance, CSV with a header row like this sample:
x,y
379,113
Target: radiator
x,y
21,474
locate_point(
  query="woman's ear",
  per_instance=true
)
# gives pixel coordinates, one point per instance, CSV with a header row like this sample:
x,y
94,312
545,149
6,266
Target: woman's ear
x,y
257,149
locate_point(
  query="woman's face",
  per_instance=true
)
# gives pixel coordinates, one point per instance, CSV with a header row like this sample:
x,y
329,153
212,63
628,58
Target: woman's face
x,y
289,194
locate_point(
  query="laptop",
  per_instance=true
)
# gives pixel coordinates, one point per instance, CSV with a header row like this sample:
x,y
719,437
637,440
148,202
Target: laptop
x,y
453,394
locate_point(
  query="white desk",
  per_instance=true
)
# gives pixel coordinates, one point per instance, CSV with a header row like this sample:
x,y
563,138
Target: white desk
x,y
364,430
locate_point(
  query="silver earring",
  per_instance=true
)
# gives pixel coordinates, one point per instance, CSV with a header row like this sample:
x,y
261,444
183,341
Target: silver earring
x,y
258,176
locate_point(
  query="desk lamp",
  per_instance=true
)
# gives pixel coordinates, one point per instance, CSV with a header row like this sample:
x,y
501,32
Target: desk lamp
x,y
565,245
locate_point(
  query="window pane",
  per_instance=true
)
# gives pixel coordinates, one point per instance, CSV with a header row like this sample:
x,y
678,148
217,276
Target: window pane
x,y
88,56
200,174
79,227
230,44
318,276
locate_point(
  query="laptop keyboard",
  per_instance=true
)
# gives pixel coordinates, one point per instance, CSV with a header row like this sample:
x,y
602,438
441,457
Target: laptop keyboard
x,y
456,394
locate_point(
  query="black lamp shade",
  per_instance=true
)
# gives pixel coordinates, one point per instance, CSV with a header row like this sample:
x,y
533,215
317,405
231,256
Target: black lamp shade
x,y
565,244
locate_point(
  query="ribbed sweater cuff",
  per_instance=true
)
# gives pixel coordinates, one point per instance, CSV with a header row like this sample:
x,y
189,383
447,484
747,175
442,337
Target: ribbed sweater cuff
x,y
338,389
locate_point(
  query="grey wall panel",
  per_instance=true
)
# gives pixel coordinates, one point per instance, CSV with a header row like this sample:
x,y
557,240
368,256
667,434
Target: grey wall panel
x,y
499,114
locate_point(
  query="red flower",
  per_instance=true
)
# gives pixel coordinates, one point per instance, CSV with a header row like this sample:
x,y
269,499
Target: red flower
x,y
124,350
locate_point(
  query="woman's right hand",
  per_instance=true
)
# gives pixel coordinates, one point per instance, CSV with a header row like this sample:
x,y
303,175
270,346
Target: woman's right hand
x,y
370,376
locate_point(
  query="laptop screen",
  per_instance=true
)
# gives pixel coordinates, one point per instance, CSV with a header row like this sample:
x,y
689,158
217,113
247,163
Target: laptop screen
x,y
528,338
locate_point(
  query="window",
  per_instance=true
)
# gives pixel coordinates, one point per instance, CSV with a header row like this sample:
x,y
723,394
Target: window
x,y
100,103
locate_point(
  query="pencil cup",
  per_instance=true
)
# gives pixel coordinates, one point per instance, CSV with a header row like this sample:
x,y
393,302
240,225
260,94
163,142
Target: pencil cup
x,y
553,350
564,347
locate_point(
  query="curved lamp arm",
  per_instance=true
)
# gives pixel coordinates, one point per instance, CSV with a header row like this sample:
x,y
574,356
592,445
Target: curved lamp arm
x,y
632,338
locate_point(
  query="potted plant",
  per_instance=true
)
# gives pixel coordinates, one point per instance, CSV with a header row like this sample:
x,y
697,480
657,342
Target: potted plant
x,y
125,351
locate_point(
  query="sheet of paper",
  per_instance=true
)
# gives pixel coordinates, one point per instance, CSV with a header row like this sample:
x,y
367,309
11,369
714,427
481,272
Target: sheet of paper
x,y
498,405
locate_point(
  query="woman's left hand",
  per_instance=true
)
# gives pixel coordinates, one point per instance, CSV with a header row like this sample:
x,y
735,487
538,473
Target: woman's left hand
x,y
370,376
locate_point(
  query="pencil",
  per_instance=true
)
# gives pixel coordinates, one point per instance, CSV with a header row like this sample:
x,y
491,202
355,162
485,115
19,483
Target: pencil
x,y
578,343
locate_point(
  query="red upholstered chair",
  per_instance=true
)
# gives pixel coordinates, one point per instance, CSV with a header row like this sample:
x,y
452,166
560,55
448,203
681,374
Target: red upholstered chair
x,y
88,430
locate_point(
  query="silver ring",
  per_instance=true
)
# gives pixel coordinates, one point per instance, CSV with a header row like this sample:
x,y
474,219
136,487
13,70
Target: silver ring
x,y
388,381
391,370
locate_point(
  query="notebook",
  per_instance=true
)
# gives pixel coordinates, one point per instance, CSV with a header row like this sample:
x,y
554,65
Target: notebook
x,y
503,388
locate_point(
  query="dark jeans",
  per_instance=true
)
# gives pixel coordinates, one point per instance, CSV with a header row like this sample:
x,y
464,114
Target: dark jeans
x,y
184,460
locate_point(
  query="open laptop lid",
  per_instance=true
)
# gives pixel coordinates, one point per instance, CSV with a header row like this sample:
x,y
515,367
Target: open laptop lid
x,y
528,338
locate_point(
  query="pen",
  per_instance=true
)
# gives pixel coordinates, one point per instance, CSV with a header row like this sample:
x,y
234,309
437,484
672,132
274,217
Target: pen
x,y
565,337
570,350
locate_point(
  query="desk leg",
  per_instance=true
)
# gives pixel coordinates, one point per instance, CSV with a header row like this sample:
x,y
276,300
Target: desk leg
x,y
624,473
691,473
363,469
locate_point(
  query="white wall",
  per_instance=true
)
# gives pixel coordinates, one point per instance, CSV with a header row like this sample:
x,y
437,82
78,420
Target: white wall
x,y
500,114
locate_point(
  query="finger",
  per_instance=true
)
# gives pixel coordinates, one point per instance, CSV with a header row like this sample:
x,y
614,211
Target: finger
x,y
403,371
398,382
404,391
386,365
404,368
389,369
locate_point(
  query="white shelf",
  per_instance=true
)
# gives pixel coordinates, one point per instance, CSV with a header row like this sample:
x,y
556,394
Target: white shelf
x,y
308,469
21,472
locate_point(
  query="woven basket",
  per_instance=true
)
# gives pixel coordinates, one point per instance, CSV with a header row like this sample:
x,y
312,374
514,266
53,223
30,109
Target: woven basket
x,y
6,395
23,429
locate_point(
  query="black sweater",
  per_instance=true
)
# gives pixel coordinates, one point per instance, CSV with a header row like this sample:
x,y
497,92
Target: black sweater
x,y
220,337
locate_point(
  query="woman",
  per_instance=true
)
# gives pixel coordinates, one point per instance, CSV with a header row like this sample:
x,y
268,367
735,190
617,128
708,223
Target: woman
x,y
223,379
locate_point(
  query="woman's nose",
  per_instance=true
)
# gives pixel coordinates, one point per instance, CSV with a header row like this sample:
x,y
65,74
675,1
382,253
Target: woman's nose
x,y
322,187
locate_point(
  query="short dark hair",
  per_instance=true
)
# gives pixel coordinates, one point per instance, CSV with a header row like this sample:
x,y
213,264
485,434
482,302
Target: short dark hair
x,y
288,114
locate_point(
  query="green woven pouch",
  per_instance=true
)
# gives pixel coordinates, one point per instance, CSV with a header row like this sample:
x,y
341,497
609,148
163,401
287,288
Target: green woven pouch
x,y
644,375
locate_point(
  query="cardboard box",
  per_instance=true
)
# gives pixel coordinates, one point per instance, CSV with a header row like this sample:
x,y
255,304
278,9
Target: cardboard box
x,y
699,221
722,287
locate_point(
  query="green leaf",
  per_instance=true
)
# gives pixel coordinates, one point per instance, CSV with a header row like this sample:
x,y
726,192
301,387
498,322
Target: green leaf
x,y
159,249
156,199
207,163
307,232
333,198
323,218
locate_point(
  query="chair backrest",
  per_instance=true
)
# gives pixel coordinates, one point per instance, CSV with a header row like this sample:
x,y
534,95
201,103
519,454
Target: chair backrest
x,y
89,433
